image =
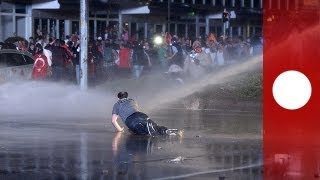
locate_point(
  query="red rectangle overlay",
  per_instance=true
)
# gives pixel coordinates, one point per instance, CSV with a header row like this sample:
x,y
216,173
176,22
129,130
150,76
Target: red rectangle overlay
x,y
291,138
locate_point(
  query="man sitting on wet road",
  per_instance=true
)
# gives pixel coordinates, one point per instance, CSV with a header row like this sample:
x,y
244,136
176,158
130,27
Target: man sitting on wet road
x,y
137,122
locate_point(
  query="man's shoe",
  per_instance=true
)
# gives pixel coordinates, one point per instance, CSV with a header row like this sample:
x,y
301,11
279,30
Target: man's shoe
x,y
151,130
172,132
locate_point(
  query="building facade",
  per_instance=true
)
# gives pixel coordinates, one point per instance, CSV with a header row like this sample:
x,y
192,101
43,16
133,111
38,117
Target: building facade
x,y
189,18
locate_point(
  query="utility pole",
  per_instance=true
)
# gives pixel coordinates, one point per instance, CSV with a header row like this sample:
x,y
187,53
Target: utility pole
x,y
84,17
169,15
1,35
225,21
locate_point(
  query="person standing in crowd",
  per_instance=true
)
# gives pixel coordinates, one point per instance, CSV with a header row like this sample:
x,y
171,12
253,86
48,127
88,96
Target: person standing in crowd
x,y
198,63
125,35
92,62
108,59
48,54
171,52
69,67
67,39
39,39
212,49
162,57
107,51
21,45
124,59
31,40
178,57
220,56
59,57
106,33
174,53
204,58
40,66
50,44
139,59
137,122
32,49
66,47
99,61
76,58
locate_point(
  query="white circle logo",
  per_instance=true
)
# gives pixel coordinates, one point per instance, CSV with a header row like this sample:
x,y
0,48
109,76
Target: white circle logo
x,y
291,90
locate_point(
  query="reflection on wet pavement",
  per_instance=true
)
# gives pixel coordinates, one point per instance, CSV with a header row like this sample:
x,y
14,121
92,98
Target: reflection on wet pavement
x,y
215,145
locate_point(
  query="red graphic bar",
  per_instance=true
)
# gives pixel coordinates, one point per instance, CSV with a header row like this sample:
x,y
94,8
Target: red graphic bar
x,y
291,138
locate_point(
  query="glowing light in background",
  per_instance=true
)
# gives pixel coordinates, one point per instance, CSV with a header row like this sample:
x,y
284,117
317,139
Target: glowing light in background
x,y
158,40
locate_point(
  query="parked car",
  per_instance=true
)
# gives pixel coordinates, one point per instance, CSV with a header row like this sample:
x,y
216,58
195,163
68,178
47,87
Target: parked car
x,y
15,65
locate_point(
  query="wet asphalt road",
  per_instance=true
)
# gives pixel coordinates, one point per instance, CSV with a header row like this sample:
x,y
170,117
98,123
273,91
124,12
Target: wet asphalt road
x,y
54,131
216,144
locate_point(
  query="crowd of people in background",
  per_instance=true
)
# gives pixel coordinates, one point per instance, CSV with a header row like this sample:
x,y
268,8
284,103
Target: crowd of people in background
x,y
109,57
